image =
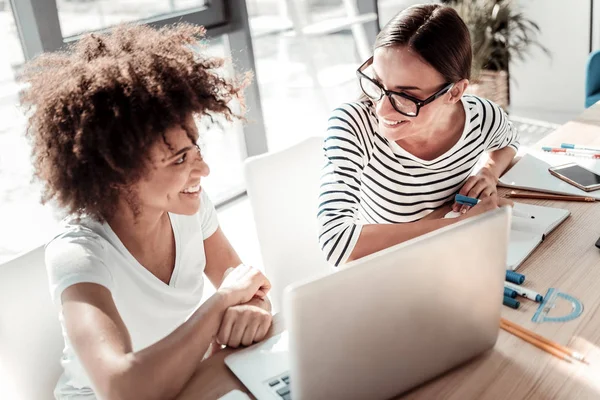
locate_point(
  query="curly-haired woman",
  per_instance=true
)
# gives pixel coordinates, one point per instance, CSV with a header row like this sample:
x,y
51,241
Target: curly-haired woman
x,y
114,140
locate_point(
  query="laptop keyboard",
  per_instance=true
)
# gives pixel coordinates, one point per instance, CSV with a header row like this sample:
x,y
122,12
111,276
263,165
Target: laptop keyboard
x,y
281,386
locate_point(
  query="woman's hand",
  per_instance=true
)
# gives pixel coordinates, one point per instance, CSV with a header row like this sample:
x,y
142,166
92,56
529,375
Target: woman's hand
x,y
478,186
245,324
487,204
242,283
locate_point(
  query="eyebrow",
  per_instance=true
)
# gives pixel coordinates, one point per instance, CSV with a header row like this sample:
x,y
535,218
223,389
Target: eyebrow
x,y
407,87
397,87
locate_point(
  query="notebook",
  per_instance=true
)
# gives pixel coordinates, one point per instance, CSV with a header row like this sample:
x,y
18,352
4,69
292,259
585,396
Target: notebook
x,y
527,233
531,173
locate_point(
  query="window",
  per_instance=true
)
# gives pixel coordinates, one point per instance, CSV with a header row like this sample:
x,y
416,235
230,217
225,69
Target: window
x,y
25,223
40,26
80,16
306,56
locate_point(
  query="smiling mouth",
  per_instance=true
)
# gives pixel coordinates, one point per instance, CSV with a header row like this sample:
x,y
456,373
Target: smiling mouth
x,y
392,124
191,189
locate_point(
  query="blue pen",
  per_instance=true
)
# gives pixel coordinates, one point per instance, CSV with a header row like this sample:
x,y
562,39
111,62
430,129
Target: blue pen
x,y
577,147
469,201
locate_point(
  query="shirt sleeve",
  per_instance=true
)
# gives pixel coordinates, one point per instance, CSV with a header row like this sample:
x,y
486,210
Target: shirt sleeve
x,y
77,256
339,194
209,221
499,131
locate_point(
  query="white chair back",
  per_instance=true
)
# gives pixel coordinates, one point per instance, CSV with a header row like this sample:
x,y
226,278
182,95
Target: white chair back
x,y
31,341
283,188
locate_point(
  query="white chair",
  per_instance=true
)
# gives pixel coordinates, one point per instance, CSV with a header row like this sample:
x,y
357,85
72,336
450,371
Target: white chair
x,y
283,188
31,342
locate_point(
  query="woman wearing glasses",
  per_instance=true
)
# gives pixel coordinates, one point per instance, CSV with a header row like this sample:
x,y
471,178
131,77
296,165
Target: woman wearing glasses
x,y
412,141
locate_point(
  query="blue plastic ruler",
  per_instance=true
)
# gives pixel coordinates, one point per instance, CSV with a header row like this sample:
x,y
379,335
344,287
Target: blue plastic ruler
x,y
557,307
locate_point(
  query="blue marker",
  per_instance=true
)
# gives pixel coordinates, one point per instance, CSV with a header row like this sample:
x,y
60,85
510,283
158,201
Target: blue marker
x,y
524,292
577,147
512,303
469,201
515,277
510,293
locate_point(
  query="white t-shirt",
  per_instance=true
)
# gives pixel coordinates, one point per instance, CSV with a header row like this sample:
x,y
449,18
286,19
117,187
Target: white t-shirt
x,y
89,251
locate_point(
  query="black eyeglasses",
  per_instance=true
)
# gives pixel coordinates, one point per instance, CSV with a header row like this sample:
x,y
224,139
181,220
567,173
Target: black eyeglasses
x,y
402,102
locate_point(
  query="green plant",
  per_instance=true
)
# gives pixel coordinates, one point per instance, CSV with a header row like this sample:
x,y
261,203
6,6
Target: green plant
x,y
499,33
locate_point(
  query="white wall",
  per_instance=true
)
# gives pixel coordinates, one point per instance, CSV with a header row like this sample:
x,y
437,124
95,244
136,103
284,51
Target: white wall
x,y
596,27
553,89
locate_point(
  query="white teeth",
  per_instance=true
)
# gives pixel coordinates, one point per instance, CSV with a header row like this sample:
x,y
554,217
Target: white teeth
x,y
391,122
191,189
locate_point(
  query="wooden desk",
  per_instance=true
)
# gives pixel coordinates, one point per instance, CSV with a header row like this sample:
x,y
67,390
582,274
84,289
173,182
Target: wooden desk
x,y
514,369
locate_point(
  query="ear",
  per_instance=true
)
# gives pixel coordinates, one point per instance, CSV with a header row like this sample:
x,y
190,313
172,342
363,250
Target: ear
x,y
458,90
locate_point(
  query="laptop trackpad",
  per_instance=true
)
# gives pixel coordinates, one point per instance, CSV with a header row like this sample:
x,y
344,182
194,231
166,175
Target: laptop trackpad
x,y
256,365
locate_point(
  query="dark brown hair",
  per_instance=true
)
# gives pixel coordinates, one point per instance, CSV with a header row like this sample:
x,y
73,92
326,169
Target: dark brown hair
x,y
437,34
96,109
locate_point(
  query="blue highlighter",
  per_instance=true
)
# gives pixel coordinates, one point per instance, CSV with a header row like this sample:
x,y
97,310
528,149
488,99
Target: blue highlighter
x,y
466,200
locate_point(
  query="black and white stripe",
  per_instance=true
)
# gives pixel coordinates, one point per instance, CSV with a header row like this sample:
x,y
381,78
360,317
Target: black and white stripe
x,y
370,180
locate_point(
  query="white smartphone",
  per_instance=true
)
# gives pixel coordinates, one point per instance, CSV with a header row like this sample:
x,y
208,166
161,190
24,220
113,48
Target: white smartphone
x,y
577,176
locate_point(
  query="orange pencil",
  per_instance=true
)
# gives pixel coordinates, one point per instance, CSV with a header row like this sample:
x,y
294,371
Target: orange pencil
x,y
541,345
573,354
545,196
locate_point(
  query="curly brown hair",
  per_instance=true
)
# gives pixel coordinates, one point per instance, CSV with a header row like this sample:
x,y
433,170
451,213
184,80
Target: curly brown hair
x,y
96,108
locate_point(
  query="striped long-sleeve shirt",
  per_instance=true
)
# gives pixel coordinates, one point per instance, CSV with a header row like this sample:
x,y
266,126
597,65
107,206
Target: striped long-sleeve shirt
x,y
368,179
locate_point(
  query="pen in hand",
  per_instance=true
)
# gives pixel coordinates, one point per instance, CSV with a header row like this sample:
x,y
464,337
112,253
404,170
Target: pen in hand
x,y
471,201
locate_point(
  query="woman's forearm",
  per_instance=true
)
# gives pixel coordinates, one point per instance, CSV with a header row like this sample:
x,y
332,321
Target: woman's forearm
x,y
375,237
161,370
500,160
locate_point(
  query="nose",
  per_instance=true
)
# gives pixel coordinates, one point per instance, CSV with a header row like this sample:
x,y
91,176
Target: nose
x,y
384,107
202,168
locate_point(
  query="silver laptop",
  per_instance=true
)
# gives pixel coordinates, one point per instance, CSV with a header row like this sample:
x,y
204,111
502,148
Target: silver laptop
x,y
389,321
